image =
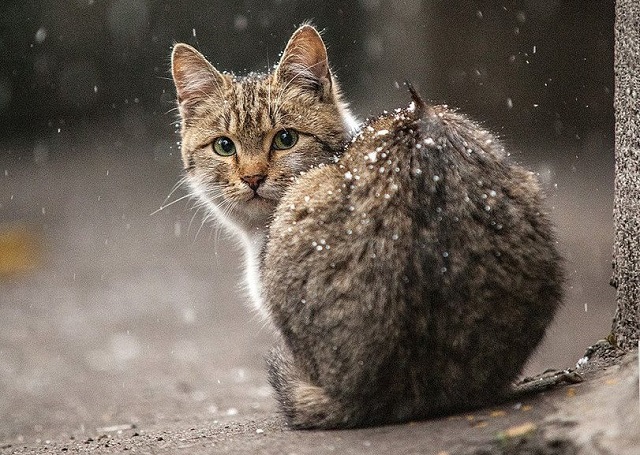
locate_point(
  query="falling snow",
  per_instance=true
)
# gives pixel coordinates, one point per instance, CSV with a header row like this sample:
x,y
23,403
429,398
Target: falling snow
x,y
41,35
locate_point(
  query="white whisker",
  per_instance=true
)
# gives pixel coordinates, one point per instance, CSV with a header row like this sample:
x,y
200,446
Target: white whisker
x,y
197,208
202,223
173,190
162,207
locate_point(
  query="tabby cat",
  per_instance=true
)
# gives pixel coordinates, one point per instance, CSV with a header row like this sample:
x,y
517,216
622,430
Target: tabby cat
x,y
245,139
409,273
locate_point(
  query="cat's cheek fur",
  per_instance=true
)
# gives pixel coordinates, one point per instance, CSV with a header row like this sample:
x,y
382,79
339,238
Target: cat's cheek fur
x,y
350,122
240,214
251,242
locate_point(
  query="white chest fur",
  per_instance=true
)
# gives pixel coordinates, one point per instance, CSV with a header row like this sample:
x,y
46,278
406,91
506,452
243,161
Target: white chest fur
x,y
250,241
253,246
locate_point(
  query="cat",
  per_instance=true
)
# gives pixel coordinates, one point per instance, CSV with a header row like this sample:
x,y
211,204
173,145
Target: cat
x,y
409,273
245,139
412,278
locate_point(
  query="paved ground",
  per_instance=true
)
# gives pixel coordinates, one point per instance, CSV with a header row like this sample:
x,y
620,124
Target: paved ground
x,y
131,332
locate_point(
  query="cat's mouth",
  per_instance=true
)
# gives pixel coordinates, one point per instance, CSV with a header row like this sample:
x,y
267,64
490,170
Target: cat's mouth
x,y
262,194
257,198
254,197
260,199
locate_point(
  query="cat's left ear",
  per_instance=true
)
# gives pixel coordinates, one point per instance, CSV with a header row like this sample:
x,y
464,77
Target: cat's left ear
x,y
194,77
304,61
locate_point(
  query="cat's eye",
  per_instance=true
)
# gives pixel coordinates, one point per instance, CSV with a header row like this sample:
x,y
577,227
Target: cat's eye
x,y
285,139
224,146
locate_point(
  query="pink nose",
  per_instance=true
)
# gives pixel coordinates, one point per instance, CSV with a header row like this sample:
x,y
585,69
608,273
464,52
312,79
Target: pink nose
x,y
254,181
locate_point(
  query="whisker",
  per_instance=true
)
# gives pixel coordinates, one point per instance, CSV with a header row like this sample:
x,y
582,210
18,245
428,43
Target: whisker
x,y
268,90
202,223
173,109
197,209
216,240
162,207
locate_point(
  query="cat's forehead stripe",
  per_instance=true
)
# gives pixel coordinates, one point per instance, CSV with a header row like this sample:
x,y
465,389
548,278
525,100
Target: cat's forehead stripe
x,y
249,115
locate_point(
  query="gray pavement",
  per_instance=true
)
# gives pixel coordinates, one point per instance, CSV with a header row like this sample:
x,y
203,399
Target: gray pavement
x,y
133,329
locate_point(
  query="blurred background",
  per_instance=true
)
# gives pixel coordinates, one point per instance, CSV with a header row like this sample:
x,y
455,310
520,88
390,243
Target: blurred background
x,y
113,311
534,68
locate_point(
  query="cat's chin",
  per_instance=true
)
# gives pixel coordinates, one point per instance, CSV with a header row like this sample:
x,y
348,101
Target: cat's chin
x,y
254,214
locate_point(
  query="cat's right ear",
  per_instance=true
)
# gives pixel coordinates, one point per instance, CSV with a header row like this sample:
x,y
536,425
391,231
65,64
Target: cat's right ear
x,y
304,61
194,77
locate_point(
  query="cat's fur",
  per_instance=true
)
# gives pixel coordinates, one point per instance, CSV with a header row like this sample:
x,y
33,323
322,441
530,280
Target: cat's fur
x,y
300,94
412,278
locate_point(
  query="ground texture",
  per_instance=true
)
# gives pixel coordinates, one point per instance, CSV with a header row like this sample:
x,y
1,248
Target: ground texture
x,y
123,331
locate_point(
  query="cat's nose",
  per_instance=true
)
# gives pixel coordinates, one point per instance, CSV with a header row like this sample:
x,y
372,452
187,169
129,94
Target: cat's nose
x,y
254,181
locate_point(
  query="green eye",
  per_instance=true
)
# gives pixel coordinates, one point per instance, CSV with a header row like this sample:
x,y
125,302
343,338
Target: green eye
x,y
224,146
285,139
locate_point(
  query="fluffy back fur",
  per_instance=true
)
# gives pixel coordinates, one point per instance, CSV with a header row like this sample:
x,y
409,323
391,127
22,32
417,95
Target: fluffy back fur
x,y
412,278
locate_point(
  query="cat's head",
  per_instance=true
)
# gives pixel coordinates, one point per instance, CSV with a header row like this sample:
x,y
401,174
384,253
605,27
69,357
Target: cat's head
x,y
245,139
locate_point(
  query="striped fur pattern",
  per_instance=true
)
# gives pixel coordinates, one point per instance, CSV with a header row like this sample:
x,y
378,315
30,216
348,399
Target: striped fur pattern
x,y
300,94
413,278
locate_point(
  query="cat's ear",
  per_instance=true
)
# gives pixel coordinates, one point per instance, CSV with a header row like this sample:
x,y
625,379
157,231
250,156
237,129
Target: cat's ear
x,y
194,77
304,61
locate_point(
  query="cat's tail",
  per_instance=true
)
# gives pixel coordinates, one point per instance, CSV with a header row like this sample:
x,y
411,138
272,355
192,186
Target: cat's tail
x,y
304,405
419,105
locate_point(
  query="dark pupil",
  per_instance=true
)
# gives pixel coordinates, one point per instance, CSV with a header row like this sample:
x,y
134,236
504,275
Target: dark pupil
x,y
286,139
226,145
